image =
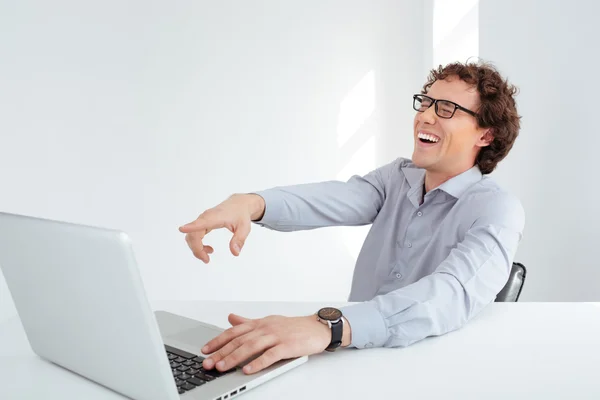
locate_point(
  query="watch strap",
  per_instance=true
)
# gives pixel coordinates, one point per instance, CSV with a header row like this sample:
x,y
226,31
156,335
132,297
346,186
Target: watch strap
x,y
337,330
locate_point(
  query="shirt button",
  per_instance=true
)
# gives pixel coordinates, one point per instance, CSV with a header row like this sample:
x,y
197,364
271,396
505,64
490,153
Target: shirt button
x,y
398,275
419,213
409,245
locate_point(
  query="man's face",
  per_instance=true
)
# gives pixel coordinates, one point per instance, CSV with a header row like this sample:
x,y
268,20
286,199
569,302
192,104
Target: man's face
x,y
458,138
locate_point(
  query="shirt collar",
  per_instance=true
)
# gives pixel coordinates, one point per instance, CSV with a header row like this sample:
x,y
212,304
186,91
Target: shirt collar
x,y
414,176
416,179
455,186
460,183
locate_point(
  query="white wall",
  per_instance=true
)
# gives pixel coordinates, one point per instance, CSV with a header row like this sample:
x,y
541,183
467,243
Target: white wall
x,y
140,115
550,50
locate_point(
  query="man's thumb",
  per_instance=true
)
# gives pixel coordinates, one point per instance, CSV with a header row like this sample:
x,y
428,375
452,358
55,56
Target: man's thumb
x,y
239,238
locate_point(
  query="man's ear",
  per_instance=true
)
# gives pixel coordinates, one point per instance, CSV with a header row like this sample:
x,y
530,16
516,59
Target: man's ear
x,y
486,138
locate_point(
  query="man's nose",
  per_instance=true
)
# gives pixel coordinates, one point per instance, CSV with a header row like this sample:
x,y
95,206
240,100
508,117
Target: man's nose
x,y
428,116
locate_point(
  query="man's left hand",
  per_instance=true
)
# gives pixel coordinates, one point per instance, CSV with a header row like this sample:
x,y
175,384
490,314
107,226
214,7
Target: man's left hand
x,y
277,336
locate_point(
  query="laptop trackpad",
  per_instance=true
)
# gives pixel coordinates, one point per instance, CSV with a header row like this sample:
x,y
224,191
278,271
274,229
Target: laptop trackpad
x,y
194,337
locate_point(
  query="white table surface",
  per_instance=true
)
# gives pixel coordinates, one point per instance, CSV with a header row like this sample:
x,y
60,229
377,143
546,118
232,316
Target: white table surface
x,y
510,351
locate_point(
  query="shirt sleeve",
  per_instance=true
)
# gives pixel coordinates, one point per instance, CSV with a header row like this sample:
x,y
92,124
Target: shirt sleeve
x,y
461,286
331,203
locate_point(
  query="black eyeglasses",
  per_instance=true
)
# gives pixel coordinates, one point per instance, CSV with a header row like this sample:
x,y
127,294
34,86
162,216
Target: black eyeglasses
x,y
443,108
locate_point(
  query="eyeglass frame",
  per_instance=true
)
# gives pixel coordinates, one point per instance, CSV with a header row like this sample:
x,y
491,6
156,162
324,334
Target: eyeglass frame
x,y
435,101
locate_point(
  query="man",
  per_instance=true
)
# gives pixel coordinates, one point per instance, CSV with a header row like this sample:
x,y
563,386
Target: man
x,y
442,240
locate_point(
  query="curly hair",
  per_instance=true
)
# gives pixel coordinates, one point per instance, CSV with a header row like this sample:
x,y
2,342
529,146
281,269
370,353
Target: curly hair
x,y
497,110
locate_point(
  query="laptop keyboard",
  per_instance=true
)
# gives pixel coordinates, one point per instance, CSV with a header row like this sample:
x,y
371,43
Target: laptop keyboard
x,y
188,371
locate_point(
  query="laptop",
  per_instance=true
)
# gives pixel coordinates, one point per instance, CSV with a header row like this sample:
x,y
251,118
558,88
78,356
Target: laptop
x,y
82,304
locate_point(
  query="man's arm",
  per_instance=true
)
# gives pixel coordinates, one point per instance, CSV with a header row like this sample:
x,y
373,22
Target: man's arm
x,y
289,208
463,284
331,203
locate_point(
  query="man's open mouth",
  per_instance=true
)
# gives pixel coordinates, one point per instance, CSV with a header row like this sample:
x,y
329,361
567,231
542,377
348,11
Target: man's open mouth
x,y
427,138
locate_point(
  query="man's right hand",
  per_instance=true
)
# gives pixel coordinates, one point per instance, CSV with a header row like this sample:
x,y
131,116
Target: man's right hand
x,y
236,214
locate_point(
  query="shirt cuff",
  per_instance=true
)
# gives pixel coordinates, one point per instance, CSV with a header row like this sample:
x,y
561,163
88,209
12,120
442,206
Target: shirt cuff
x,y
273,207
367,324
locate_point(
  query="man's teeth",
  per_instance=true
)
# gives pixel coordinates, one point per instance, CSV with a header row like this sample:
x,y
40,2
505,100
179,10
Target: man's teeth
x,y
428,137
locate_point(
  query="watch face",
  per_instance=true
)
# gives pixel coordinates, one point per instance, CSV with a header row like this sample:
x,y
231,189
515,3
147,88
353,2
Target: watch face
x,y
330,313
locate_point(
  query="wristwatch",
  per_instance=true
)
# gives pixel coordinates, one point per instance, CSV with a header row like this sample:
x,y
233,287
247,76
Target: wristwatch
x,y
333,318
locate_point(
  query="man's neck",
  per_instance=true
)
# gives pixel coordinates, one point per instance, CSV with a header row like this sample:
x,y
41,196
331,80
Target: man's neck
x,y
434,179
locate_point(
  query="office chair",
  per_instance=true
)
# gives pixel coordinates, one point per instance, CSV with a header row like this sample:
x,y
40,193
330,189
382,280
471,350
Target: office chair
x,y
512,290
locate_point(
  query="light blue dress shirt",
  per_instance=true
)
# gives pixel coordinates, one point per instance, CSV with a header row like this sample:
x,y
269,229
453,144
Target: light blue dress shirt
x,y
427,265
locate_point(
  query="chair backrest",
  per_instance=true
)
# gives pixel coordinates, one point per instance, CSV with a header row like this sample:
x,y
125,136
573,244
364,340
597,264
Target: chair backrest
x,y
512,290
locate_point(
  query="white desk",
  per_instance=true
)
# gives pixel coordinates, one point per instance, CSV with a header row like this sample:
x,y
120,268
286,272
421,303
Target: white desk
x,y
511,351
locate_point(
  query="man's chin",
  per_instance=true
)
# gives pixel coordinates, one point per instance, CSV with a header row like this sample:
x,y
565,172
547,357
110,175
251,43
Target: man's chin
x,y
419,161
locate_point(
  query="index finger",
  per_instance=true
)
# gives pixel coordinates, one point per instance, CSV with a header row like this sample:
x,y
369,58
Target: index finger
x,y
226,337
200,224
